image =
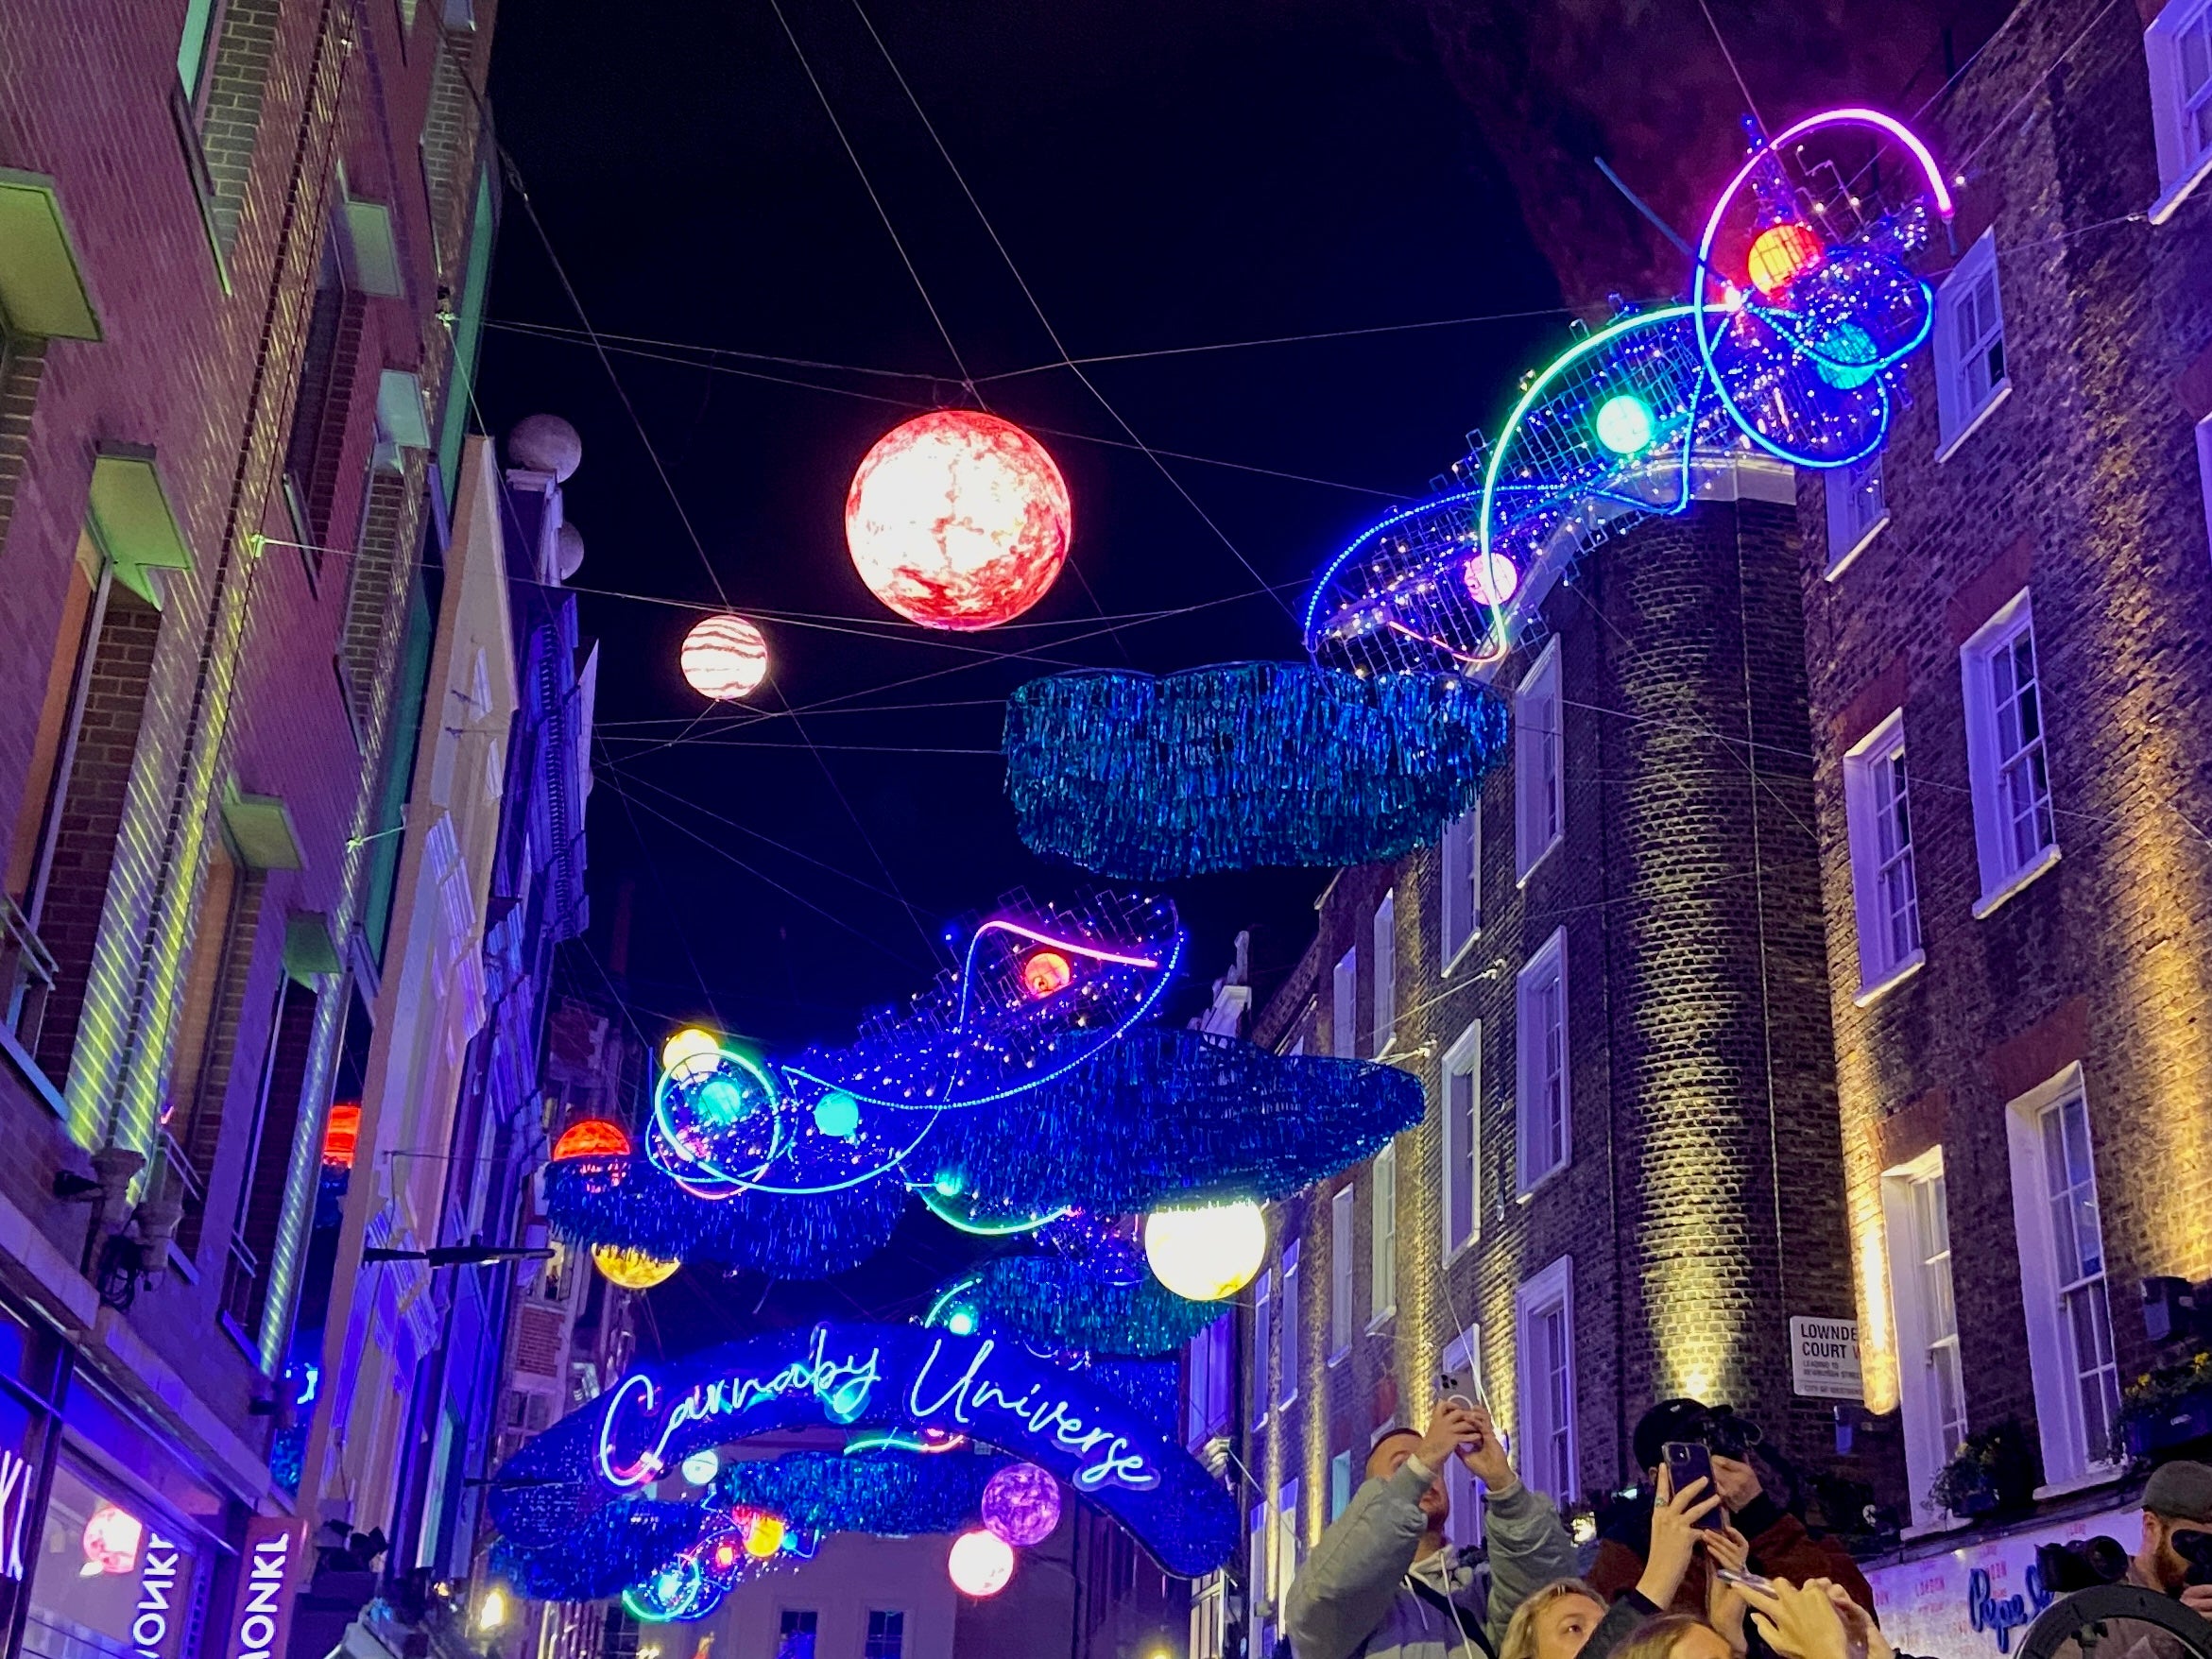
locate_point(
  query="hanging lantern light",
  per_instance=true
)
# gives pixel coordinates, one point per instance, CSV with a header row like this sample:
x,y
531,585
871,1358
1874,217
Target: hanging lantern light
x,y
1046,973
633,1270
591,1138
724,658
981,1564
1207,1252
958,520
1782,253
690,1043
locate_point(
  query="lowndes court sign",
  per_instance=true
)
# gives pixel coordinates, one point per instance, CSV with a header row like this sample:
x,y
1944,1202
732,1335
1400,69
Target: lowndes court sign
x,y
902,1377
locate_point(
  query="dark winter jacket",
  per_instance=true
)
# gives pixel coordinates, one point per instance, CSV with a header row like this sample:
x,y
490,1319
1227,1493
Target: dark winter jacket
x,y
1780,1549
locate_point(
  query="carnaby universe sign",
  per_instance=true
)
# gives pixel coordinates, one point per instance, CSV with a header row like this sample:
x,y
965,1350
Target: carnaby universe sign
x,y
870,1377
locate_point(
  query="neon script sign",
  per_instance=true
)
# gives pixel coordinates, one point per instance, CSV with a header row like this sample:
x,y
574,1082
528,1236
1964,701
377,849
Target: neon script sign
x,y
960,1381
917,1382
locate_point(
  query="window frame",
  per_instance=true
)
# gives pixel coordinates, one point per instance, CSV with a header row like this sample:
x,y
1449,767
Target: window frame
x,y
1911,1318
1956,423
1263,1345
1343,1231
1286,1332
1288,1545
872,1639
1550,1288
1383,933
2069,1459
1868,764
2203,433
1464,1059
1847,536
1383,1239
1259,1537
1344,1006
1549,961
2001,877
2180,171
1458,870
1539,748
1341,1490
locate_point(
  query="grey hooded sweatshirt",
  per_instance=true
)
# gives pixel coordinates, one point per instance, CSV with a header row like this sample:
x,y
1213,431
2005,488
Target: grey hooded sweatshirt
x,y
1354,1597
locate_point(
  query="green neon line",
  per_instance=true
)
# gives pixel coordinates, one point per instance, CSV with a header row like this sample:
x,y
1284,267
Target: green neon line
x,y
1551,371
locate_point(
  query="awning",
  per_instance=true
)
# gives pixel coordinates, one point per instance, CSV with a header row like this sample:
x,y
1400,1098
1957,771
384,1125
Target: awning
x,y
132,517
260,829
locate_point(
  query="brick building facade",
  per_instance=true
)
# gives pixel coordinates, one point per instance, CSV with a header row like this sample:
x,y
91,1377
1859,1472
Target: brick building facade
x,y
2008,665
242,249
1626,1183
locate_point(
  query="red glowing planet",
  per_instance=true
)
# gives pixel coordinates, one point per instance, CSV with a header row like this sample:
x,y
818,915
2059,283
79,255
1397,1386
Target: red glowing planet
x,y
958,520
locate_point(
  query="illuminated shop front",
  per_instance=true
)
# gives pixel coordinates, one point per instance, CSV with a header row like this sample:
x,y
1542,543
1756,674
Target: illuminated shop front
x,y
114,1543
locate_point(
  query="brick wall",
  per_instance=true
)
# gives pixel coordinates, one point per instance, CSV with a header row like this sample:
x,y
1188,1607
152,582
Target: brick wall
x,y
1701,1206
2083,486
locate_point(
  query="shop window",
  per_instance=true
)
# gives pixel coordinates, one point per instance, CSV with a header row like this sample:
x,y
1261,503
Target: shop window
x,y
112,1576
1931,1388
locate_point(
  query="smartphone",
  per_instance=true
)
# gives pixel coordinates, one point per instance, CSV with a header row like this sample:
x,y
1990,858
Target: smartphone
x,y
1687,1461
1464,1389
1728,1574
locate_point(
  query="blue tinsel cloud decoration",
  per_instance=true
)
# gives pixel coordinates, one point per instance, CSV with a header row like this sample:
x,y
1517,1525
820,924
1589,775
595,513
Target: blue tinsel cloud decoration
x,y
628,1202
605,1552
1049,1299
1244,765
889,1493
1173,1116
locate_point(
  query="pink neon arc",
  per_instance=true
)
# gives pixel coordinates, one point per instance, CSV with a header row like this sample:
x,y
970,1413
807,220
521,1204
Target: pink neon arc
x,y
1090,950
1845,117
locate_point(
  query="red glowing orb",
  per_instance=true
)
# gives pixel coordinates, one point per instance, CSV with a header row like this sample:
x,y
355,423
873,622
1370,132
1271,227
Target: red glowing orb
x,y
1783,253
1046,974
591,1138
958,520
342,1136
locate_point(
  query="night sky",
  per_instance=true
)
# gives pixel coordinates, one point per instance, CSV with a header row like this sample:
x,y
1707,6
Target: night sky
x,y
1165,174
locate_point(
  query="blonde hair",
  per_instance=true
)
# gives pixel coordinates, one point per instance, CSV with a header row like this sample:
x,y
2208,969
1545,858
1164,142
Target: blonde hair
x,y
1656,1637
1520,1635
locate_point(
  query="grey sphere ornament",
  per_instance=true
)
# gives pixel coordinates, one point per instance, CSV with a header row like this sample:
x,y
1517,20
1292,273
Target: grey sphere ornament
x,y
545,443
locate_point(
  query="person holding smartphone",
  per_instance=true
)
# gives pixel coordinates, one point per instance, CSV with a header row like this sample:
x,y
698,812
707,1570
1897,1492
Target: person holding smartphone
x,y
1780,1545
1382,1584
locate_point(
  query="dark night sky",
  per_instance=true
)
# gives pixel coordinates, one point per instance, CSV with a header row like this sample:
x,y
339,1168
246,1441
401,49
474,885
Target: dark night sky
x,y
1166,174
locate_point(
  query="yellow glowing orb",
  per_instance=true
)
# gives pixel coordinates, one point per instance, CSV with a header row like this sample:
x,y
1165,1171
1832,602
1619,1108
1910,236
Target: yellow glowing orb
x,y
1207,1252
690,1043
633,1270
764,1537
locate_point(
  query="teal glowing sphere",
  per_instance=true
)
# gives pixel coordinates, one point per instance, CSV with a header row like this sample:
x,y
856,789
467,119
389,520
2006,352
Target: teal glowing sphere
x,y
837,1114
1624,424
961,1321
1847,357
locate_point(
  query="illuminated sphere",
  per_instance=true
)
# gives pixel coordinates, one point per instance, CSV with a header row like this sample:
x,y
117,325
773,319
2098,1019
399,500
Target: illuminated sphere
x,y
718,1112
724,658
633,1270
1491,578
591,1138
111,1537
1021,1504
701,1466
764,1536
837,1114
1207,1252
981,1564
1624,424
1781,254
1046,973
958,520
690,1043
1850,346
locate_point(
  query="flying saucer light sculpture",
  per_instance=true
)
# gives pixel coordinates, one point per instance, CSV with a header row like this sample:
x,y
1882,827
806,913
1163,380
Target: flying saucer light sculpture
x,y
1804,308
958,520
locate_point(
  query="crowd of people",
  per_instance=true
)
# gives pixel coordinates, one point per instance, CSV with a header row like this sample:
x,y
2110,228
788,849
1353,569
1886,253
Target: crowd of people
x,y
1715,1569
